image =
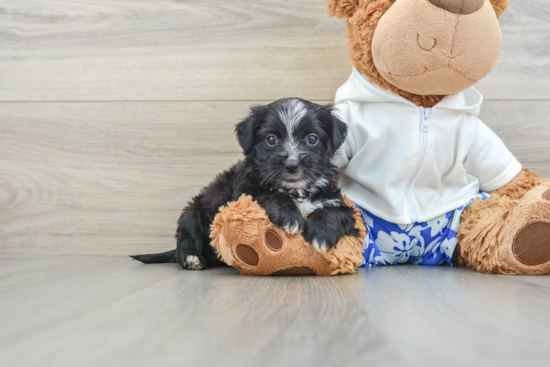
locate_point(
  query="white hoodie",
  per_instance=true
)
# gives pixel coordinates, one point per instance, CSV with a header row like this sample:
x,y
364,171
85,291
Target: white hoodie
x,y
407,164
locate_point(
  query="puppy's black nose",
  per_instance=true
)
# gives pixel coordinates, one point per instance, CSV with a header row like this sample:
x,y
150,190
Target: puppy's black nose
x,y
291,166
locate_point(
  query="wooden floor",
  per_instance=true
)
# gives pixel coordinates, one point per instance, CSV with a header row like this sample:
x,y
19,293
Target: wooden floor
x,y
112,311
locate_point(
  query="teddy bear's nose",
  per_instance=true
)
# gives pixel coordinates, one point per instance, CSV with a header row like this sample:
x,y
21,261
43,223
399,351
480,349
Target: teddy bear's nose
x,y
461,7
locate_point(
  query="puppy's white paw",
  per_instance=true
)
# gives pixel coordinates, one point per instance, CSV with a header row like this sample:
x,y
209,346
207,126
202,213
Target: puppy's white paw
x,y
193,262
321,247
292,228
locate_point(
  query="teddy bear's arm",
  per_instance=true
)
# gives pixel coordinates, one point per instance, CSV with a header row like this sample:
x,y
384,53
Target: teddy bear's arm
x,y
490,160
516,189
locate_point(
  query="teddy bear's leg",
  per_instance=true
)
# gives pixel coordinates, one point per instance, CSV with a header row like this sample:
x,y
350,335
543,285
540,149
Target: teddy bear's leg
x,y
509,233
247,240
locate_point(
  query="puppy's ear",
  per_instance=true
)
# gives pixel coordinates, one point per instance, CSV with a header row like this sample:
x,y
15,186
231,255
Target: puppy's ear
x,y
339,134
337,128
246,129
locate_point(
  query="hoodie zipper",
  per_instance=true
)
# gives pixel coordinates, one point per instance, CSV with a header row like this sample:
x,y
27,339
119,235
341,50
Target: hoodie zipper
x,y
425,114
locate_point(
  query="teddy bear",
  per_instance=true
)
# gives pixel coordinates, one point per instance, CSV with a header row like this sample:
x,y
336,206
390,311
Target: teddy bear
x,y
431,183
246,239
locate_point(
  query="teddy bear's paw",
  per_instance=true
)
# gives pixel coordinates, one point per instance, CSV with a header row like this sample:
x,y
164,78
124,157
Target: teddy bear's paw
x,y
249,256
530,235
532,244
275,253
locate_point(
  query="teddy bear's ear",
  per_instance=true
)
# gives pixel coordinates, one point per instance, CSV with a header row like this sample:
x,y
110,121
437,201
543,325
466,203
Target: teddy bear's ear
x,y
500,6
341,8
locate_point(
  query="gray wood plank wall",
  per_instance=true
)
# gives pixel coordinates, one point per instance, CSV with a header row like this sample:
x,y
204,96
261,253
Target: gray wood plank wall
x,y
113,113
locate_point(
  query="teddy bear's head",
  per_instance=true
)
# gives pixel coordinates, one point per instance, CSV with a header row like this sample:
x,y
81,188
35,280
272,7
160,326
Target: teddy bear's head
x,y
422,50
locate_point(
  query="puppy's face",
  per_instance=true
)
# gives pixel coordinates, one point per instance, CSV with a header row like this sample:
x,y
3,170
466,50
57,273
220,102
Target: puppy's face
x,y
290,143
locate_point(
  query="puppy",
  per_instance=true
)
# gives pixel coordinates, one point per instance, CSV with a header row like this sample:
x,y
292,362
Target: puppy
x,y
288,147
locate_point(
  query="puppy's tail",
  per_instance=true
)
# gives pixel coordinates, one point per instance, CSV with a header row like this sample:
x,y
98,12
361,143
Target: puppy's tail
x,y
165,257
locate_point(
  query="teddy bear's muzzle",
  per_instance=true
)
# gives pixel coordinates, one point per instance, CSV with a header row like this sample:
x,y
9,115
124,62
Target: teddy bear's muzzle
x,y
462,7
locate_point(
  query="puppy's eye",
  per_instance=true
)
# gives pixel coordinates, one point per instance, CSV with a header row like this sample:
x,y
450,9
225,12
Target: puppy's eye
x,y
271,140
312,139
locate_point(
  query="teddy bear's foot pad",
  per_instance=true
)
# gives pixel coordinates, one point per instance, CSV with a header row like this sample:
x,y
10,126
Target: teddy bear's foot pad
x,y
247,255
546,195
250,257
532,243
273,241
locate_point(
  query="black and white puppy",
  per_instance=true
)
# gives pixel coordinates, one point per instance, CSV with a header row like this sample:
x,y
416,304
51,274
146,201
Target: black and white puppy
x,y
288,147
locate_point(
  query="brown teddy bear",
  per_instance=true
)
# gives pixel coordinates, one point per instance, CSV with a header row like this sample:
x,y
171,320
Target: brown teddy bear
x,y
433,184
247,240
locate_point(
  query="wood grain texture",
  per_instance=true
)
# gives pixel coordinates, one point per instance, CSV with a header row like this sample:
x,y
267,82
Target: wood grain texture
x,y
465,317
525,128
61,50
111,178
81,286
101,311
91,177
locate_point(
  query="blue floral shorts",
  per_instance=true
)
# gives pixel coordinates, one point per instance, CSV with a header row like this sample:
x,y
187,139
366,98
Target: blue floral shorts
x,y
427,243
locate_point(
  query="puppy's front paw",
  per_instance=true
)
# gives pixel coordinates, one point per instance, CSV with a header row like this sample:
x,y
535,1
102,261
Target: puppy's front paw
x,y
324,228
321,233
321,237
320,246
291,221
193,262
293,227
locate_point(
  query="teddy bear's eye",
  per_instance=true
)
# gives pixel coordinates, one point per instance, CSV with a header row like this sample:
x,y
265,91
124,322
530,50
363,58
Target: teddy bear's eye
x,y
312,139
271,140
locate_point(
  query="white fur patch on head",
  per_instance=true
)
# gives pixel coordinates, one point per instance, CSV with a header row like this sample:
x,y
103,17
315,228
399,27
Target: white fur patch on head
x,y
291,114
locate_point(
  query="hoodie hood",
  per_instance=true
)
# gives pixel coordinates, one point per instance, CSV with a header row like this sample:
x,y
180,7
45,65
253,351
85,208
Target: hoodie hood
x,y
359,89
